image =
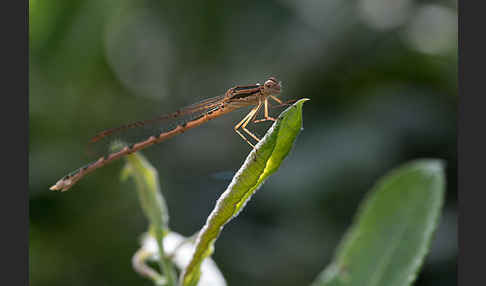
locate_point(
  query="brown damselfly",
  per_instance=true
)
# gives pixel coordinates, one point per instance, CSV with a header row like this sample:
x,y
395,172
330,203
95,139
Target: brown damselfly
x,y
236,97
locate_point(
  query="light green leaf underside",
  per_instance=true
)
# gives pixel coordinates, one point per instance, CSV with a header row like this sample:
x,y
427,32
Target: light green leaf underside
x,y
263,161
147,184
153,205
392,231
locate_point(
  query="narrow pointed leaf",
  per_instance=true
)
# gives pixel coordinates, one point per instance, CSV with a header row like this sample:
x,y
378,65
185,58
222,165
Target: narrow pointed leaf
x,y
263,161
147,184
153,204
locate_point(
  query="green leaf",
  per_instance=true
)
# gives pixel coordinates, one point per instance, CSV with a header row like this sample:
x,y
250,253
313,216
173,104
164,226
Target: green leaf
x,y
393,229
263,161
153,204
147,184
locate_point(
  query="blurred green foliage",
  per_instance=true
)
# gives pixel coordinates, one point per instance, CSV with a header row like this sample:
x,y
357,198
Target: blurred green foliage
x,y
383,85
392,231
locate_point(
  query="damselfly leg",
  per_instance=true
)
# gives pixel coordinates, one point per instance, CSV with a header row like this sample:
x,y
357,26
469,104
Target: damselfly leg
x,y
249,117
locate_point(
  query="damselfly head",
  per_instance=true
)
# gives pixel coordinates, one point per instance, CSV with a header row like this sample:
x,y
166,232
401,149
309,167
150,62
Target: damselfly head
x,y
272,86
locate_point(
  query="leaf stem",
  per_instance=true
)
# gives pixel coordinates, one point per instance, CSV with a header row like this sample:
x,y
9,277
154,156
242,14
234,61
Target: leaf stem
x,y
153,206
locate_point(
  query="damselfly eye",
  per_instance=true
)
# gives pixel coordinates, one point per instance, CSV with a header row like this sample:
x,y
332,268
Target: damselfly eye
x,y
271,82
272,86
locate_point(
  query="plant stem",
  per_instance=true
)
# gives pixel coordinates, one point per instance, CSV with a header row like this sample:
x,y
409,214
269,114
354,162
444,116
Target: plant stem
x,y
165,264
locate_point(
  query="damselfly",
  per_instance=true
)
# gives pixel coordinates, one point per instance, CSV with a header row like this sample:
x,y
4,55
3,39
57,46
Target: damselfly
x,y
236,97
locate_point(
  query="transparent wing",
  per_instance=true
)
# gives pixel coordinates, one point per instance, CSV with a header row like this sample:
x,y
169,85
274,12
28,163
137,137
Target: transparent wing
x,y
194,109
135,132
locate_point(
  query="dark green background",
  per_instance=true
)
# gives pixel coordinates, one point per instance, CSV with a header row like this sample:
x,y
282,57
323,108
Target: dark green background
x,y
383,87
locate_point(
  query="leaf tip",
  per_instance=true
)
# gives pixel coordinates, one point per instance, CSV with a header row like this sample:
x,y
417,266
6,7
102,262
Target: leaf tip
x,y
436,165
431,166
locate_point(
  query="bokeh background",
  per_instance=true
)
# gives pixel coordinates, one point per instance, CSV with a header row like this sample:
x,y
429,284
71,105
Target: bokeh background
x,y
381,76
